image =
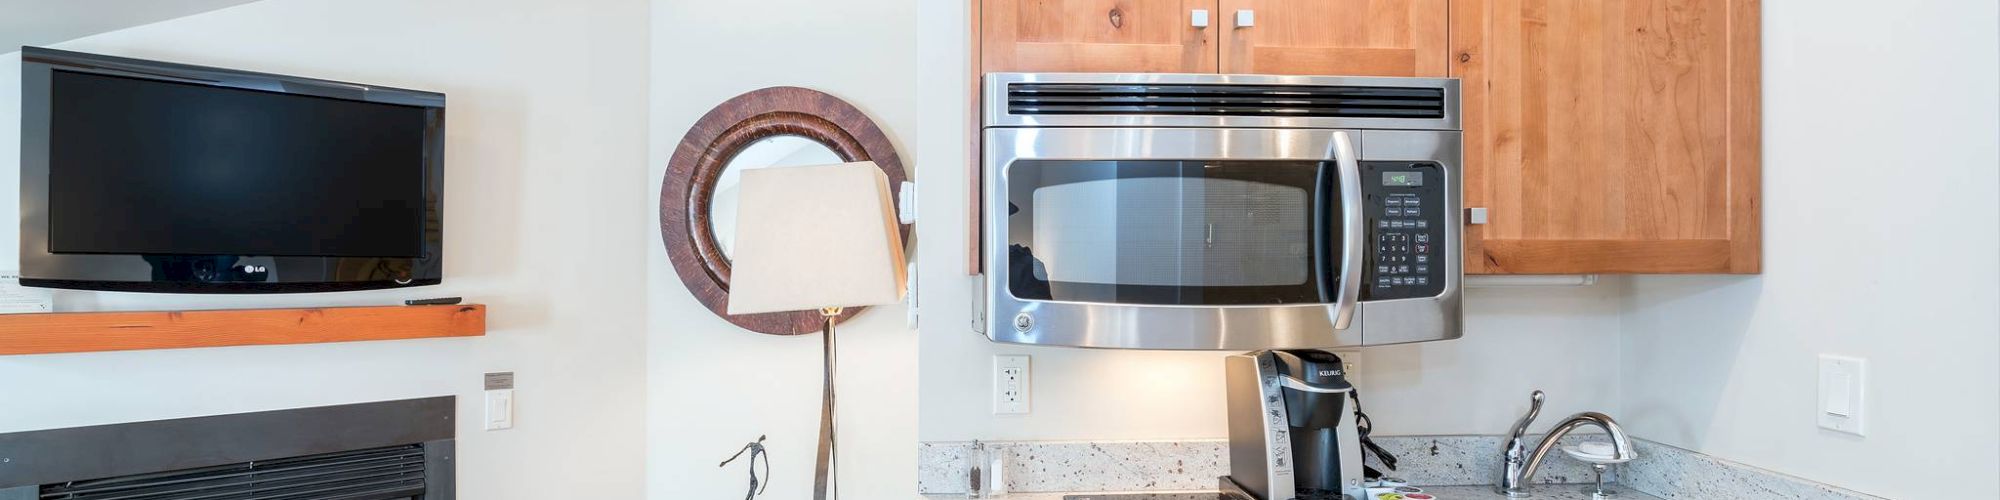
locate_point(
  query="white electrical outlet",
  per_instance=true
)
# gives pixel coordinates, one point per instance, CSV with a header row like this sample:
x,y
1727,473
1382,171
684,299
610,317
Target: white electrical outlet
x,y
1350,368
1841,402
1011,384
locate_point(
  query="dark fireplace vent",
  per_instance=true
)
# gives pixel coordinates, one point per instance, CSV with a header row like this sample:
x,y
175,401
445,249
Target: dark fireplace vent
x,y
385,450
390,473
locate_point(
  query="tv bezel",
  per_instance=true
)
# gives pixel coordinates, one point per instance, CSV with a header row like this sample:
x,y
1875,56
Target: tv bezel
x,y
39,267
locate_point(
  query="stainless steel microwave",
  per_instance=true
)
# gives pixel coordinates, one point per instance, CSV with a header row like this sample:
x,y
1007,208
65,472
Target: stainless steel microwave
x,y
1171,211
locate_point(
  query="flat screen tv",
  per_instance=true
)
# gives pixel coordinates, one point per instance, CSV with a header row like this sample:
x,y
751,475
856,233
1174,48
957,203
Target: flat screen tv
x,y
159,177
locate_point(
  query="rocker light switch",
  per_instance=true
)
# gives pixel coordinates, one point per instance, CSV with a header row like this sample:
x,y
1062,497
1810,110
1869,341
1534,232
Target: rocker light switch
x,y
499,401
1841,403
499,409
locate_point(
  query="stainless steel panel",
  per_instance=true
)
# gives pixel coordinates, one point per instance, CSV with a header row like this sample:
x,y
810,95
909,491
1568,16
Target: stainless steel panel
x,y
1259,435
1151,327
995,99
1428,318
1010,138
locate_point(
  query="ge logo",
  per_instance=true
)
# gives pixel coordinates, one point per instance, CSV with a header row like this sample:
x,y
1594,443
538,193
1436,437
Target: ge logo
x,y
1023,323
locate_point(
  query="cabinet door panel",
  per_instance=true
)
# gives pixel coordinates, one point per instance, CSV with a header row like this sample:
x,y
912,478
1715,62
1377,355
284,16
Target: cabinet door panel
x,y
1155,36
1610,137
1336,37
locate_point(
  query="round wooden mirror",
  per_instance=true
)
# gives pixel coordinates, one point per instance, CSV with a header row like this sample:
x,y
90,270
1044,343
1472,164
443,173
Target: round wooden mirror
x,y
773,127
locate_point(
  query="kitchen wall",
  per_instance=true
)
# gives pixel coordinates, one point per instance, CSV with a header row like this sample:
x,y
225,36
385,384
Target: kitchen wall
x,y
1563,340
547,142
712,386
1880,242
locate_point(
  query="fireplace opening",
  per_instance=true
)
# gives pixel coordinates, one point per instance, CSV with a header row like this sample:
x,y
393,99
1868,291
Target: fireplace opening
x,y
393,450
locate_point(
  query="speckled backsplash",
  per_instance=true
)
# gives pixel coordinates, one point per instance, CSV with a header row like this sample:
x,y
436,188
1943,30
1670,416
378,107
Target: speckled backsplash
x,y
1075,466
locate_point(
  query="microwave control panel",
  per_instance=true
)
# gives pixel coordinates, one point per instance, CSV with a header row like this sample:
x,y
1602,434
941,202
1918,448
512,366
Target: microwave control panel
x,y
1405,212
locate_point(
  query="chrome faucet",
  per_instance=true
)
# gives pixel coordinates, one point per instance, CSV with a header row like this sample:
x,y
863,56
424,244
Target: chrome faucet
x,y
1520,464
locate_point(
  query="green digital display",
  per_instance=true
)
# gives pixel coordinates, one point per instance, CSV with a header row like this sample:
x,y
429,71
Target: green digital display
x,y
1402,179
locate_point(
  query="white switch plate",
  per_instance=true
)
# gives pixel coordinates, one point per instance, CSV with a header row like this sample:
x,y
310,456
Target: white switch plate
x,y
1011,384
499,409
1841,403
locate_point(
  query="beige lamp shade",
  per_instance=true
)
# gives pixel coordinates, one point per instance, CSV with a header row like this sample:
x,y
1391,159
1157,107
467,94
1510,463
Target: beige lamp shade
x,y
815,237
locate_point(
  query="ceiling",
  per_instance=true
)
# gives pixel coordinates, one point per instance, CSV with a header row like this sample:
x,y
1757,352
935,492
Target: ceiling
x,y
44,22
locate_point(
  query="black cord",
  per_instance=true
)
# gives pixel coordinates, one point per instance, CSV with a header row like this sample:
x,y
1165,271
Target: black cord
x,y
1363,426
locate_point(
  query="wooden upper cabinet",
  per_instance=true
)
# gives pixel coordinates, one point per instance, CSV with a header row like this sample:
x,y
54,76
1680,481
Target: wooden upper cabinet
x,y
1336,37
1137,36
1610,136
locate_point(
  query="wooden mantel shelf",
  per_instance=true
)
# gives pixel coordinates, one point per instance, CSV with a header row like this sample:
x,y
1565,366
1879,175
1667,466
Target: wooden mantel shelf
x,y
121,331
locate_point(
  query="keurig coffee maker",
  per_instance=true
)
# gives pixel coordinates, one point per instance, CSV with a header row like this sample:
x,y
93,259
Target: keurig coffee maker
x,y
1292,427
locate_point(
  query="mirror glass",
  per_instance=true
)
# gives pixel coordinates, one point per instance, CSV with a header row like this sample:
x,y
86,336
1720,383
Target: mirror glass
x,y
773,151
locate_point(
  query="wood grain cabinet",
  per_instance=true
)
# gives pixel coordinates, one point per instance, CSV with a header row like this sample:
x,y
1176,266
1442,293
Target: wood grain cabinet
x,y
1601,136
1610,136
1126,36
1335,37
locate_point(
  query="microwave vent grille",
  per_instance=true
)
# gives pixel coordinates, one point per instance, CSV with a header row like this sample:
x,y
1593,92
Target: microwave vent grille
x,y
1310,101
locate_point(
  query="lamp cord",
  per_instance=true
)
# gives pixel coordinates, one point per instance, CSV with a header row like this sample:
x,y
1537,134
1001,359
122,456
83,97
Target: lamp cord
x,y
824,479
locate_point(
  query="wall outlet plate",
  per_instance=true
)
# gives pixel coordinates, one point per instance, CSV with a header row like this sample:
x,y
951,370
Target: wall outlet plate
x,y
1842,402
1012,384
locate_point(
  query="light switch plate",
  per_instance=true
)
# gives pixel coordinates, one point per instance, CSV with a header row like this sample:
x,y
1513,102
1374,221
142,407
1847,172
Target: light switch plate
x,y
1842,404
1011,384
499,409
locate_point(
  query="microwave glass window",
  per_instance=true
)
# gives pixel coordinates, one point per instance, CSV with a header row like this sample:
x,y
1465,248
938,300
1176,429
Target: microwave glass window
x,y
1402,179
1170,232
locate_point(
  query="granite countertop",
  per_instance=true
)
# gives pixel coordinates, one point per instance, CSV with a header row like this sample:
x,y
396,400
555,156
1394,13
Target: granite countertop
x,y
1541,492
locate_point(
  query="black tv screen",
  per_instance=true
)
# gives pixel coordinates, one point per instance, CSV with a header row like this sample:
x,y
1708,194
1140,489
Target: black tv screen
x,y
213,170
224,181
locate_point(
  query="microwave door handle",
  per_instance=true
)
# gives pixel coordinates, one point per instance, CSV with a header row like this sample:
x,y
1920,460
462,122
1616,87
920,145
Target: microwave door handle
x,y
1354,229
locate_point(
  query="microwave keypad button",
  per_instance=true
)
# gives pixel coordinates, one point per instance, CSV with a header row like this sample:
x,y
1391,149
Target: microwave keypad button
x,y
1423,224
1423,259
1381,269
1402,269
1382,281
1421,280
1423,249
1384,223
1395,201
1423,237
1423,269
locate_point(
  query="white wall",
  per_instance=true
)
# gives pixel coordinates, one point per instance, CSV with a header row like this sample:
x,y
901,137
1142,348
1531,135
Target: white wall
x,y
713,386
546,140
1562,340
1880,241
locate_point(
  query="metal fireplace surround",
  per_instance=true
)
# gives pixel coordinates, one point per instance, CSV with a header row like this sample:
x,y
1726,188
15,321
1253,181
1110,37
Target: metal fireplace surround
x,y
390,450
